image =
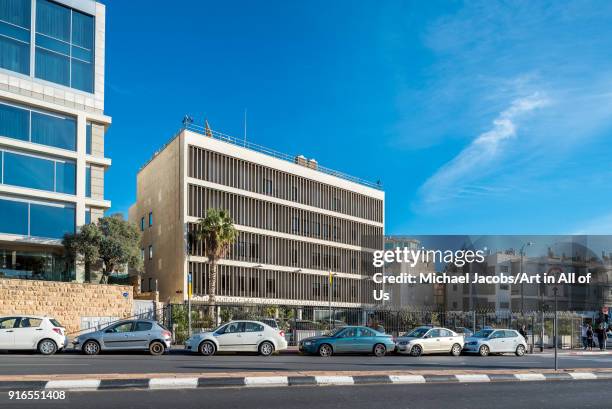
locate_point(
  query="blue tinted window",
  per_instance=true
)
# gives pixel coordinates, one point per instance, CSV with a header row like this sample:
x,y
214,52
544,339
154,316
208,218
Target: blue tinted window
x,y
45,129
88,181
14,218
16,12
14,122
82,30
87,216
54,131
15,35
28,171
150,219
52,67
142,224
51,221
64,56
88,139
65,177
53,20
82,75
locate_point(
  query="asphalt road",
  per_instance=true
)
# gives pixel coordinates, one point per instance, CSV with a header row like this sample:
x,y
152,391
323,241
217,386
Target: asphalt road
x,y
178,361
503,395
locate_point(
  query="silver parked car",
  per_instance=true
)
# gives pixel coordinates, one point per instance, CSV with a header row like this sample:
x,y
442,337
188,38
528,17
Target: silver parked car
x,y
496,341
137,335
426,340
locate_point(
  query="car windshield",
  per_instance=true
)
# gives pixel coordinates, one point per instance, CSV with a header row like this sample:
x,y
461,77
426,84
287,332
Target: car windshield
x,y
483,333
418,332
335,331
219,327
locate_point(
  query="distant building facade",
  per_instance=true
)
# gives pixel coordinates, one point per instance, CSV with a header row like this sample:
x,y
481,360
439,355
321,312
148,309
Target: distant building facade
x,y
414,296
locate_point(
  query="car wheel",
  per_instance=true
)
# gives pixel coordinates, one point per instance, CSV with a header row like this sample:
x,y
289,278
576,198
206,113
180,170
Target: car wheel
x,y
266,348
156,348
484,350
380,350
456,350
326,350
416,350
47,347
520,350
91,348
207,348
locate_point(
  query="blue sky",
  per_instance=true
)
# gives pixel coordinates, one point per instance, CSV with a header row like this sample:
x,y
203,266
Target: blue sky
x,y
478,118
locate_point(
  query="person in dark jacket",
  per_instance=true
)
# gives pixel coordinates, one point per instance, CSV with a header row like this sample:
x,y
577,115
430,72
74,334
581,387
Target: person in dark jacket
x,y
589,335
523,332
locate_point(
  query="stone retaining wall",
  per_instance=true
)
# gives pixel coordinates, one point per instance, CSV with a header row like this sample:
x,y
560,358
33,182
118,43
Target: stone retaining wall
x,y
66,302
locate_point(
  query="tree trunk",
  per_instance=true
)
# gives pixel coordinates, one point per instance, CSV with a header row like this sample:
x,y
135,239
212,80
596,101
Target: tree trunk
x,y
104,278
212,292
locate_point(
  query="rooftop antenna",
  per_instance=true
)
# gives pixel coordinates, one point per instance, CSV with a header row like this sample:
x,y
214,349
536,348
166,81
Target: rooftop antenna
x,y
187,120
207,130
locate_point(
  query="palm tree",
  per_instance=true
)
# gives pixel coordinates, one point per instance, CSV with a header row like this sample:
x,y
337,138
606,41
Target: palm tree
x,y
217,233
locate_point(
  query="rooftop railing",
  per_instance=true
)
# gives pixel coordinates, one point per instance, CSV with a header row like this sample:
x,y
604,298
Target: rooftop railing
x,y
206,131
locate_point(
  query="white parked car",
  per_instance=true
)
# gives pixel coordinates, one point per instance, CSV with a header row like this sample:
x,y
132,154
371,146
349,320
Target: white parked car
x,y
29,332
426,340
238,336
496,341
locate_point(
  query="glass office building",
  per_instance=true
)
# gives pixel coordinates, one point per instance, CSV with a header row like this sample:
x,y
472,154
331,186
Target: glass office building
x,y
52,127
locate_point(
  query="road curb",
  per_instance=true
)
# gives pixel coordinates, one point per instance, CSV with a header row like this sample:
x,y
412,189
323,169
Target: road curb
x,y
80,385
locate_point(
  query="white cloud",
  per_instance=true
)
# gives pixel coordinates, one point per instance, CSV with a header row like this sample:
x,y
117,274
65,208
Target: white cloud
x,y
457,177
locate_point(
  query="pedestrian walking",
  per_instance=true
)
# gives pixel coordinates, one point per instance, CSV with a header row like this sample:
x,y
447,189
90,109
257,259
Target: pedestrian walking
x,y
583,335
603,344
523,332
601,331
589,335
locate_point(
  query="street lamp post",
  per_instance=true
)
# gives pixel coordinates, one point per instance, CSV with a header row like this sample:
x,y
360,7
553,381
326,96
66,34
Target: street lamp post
x,y
555,290
331,287
189,290
522,253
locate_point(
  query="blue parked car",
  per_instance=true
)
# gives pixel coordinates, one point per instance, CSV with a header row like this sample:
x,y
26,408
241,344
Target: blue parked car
x,y
348,340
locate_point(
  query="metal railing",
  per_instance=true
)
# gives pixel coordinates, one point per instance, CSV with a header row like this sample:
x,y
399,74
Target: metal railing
x,y
275,154
298,322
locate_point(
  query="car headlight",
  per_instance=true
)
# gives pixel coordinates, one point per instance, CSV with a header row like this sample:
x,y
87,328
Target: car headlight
x,y
307,343
403,343
471,343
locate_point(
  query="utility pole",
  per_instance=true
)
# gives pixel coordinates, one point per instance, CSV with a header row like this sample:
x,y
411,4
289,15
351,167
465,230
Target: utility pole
x,y
522,253
555,290
331,287
189,290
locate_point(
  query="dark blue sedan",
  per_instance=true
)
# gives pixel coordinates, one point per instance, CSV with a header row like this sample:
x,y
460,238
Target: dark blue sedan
x,y
348,340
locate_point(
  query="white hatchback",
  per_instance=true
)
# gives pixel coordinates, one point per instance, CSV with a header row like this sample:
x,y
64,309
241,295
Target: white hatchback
x,y
28,332
238,336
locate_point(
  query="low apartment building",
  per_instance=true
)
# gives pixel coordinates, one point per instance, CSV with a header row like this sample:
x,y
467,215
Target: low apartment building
x,y
52,127
297,221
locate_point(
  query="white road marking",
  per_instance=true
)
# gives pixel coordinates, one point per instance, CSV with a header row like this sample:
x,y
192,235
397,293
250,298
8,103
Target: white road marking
x,y
74,384
407,378
583,375
266,381
172,383
334,380
473,378
530,377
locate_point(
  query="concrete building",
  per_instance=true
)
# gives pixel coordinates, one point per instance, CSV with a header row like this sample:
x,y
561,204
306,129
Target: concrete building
x,y
296,222
52,126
